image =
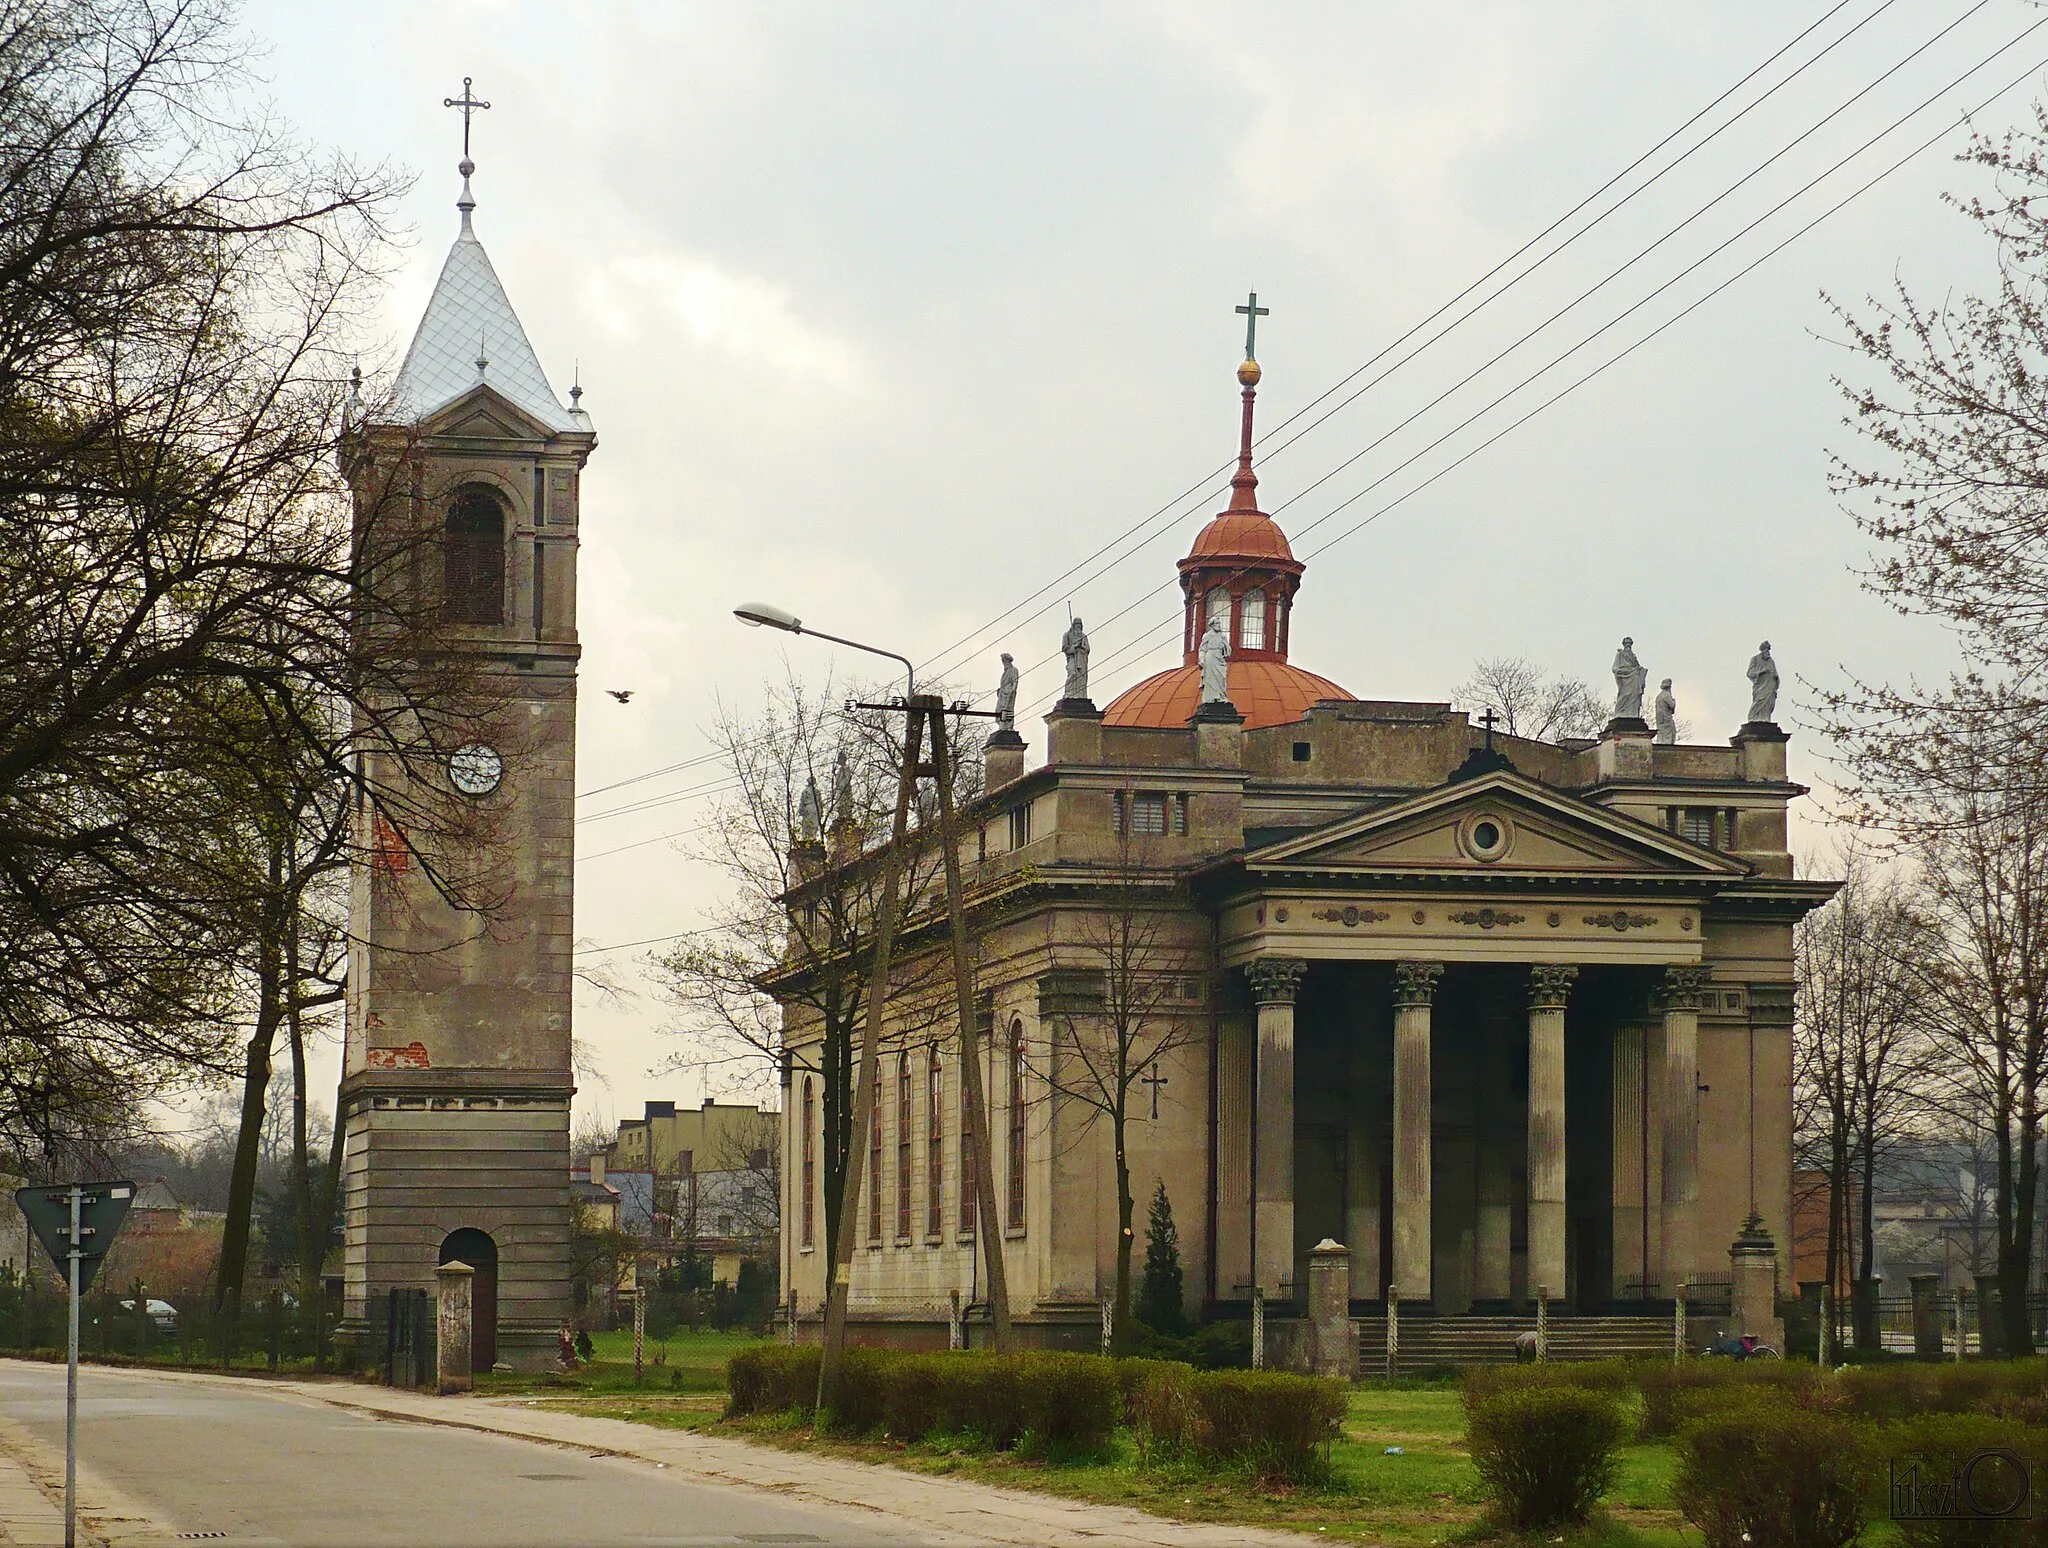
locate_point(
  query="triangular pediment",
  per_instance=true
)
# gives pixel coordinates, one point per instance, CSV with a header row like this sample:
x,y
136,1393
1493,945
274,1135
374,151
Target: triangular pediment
x,y
484,413
1499,823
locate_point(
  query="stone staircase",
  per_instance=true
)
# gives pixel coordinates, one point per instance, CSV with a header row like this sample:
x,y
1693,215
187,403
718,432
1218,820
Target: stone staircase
x,y
1484,1340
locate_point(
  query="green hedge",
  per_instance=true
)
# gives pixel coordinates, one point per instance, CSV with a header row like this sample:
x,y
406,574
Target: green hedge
x,y
2016,1388
1617,1378
1282,1425
1546,1453
1670,1392
1942,1447
1768,1473
771,1379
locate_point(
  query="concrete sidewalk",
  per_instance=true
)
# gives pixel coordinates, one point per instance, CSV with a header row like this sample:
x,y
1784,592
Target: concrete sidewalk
x,y
888,1497
32,1500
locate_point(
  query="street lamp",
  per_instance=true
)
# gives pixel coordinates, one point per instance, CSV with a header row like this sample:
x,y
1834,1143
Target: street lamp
x,y
759,615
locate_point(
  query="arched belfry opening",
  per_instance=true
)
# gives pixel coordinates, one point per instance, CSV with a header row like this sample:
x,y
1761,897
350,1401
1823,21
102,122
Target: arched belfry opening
x,y
480,1252
473,557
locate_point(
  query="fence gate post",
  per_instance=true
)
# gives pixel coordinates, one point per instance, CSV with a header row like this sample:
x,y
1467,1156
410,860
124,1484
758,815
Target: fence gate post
x,y
1108,1322
1827,1325
1542,1323
1258,1328
956,1332
1678,1327
1393,1331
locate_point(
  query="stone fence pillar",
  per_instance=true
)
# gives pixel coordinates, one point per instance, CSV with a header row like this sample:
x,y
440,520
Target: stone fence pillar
x,y
1990,1324
1332,1343
1863,1313
452,1329
1926,1315
1753,1280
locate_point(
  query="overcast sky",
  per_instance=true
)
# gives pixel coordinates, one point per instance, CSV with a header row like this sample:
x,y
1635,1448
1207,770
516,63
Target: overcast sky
x,y
894,313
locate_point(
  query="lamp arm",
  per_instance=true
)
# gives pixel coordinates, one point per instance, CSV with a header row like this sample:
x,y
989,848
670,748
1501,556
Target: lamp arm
x,y
874,650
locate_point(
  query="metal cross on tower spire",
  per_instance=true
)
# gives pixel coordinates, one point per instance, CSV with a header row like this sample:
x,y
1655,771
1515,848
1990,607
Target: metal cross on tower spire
x,y
469,104
1251,312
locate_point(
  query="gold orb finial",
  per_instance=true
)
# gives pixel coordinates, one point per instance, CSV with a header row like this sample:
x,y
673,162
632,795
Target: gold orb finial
x,y
1248,373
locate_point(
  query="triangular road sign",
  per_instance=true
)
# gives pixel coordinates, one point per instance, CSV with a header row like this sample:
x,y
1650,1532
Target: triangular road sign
x,y
102,1206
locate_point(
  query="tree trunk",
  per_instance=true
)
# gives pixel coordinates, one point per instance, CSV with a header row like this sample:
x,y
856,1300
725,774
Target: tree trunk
x,y
234,1244
2015,1253
836,1120
1121,1330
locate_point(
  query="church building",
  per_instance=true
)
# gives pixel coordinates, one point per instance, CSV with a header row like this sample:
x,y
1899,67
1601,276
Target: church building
x,y
1505,1018
457,1072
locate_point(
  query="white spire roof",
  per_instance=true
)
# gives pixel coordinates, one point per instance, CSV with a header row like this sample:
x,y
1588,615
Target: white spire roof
x,y
470,336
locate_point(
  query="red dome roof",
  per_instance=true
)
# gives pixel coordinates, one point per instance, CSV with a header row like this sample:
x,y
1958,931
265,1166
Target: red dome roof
x,y
1266,693
1241,535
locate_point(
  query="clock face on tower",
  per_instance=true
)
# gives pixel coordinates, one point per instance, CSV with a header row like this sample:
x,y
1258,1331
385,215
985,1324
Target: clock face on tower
x,y
475,769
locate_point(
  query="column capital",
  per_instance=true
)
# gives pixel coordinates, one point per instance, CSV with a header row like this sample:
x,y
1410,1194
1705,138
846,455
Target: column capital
x,y
1275,980
1681,987
1415,982
1550,985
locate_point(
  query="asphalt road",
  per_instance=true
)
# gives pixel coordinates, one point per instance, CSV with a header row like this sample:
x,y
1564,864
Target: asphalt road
x,y
243,1463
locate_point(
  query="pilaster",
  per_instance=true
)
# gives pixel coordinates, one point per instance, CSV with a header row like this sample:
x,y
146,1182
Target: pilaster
x,y
1681,995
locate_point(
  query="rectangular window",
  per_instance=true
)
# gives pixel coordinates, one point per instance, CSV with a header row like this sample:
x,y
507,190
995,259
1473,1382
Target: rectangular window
x,y
1696,825
1116,811
934,1146
1728,832
903,1147
540,496
1148,814
875,1174
810,1210
1180,816
1015,1210
540,587
1020,825
970,1179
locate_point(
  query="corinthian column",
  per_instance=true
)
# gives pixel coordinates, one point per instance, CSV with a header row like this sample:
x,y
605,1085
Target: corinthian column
x,y
1274,981
1681,1124
1414,990
1549,988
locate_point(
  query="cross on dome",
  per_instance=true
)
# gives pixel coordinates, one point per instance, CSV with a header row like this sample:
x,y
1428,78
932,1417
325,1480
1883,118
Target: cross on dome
x,y
469,104
1251,312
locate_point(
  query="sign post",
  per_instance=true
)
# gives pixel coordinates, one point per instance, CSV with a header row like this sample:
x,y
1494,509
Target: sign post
x,y
76,1224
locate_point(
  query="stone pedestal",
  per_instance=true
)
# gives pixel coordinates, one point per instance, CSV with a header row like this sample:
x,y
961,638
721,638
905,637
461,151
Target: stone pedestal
x,y
1073,732
1927,1314
1549,988
1332,1343
1762,746
1990,1327
452,1328
1219,736
1003,758
1414,993
1624,750
1274,981
1753,1284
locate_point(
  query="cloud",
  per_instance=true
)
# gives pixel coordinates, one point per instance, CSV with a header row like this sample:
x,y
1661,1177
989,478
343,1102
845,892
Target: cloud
x,y
747,318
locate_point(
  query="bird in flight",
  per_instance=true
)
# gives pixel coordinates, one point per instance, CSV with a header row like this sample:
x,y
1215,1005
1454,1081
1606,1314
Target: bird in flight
x,y
623,695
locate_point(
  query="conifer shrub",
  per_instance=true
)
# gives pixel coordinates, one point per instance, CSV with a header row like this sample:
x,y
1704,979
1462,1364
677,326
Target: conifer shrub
x,y
771,1379
1545,1452
1768,1473
1940,1451
1162,1286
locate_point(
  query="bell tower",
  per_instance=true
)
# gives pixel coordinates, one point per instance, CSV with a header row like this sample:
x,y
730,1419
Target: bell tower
x,y
457,1074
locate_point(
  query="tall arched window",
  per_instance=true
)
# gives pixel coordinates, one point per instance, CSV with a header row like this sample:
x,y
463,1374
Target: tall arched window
x,y
1217,606
875,1170
810,1142
934,1146
970,1178
1251,621
1014,1208
473,558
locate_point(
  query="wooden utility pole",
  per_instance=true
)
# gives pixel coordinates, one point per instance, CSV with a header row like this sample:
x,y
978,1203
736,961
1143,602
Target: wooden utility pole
x,y
988,1225
832,1353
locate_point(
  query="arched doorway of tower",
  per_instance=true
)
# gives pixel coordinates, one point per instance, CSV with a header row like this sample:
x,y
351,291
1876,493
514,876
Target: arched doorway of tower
x,y
476,1248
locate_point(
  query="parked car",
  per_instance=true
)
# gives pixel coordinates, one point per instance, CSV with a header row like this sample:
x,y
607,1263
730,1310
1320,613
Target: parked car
x,y
162,1313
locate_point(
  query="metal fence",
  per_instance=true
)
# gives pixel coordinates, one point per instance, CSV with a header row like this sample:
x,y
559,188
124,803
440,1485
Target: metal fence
x,y
272,1330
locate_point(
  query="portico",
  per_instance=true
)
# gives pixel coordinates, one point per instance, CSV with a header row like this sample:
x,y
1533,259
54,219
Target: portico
x,y
1459,1003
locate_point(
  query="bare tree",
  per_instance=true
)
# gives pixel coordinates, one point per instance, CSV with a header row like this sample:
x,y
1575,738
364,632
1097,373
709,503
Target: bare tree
x,y
784,967
1859,1045
1122,968
1529,701
748,1157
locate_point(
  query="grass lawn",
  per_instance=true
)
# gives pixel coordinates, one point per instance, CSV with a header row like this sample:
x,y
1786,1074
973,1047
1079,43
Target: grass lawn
x,y
687,1363
1427,1494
